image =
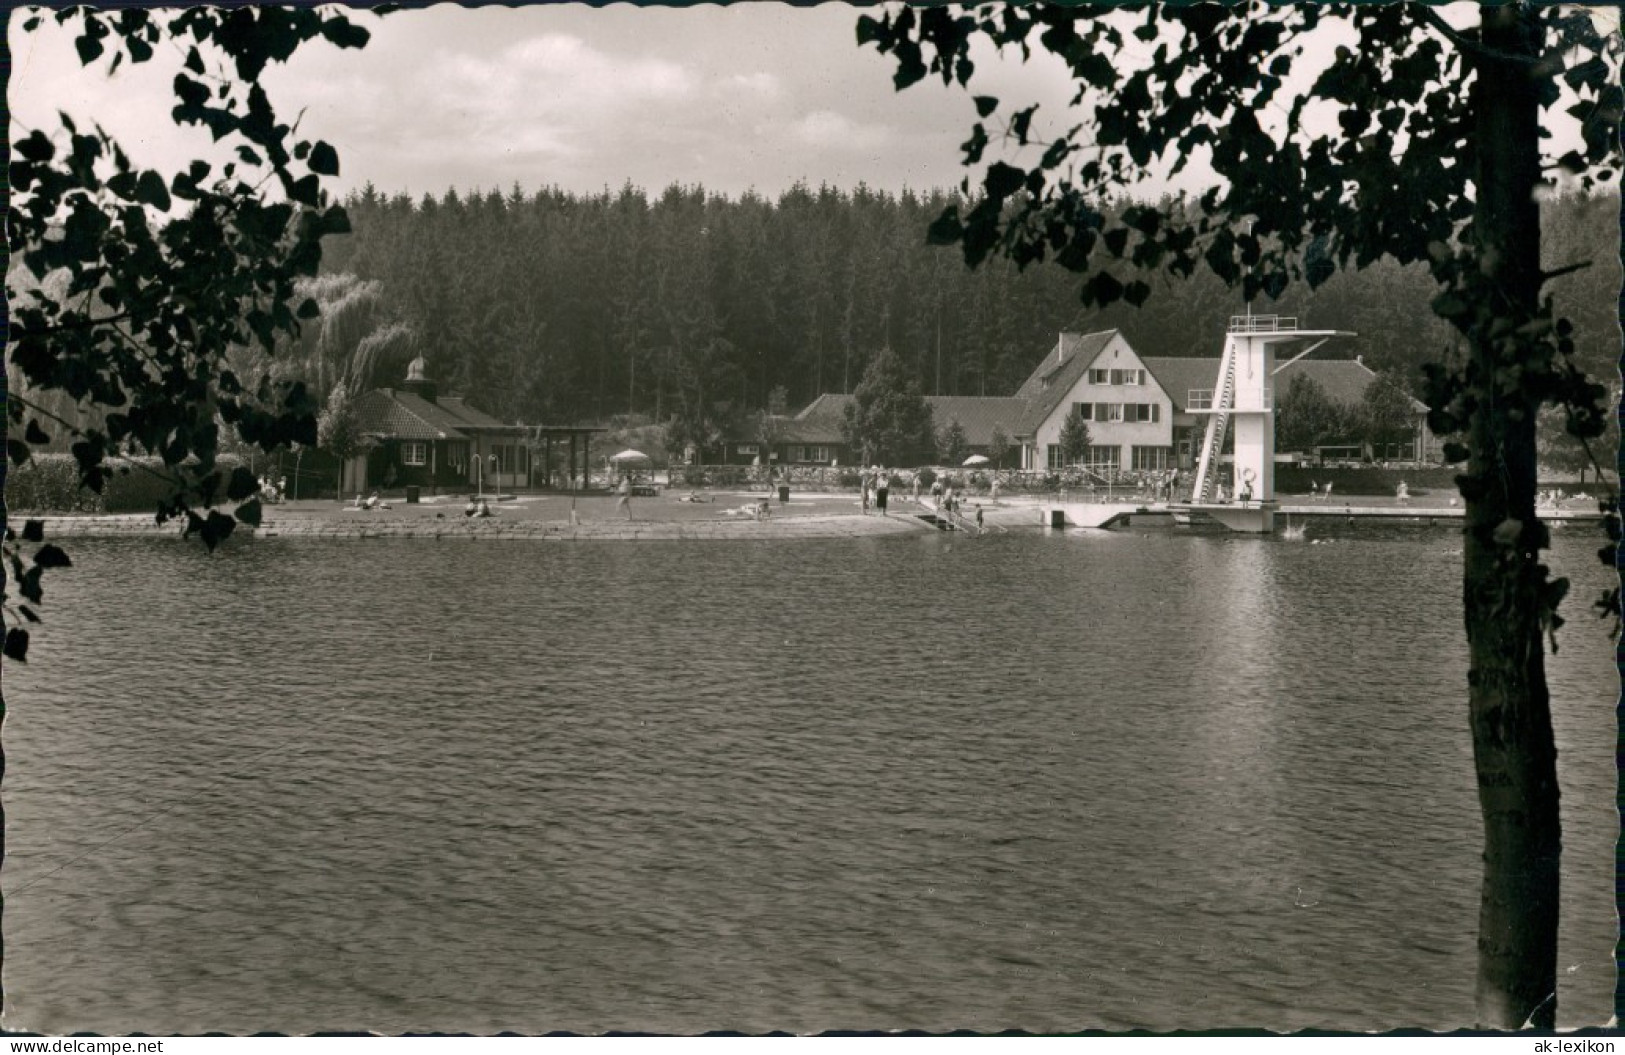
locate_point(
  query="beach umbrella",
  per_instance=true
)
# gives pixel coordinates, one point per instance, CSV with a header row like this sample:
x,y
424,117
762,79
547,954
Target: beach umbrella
x,y
976,459
629,456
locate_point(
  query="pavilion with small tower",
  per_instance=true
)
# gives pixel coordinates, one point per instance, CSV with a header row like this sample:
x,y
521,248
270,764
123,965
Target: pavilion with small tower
x,y
420,438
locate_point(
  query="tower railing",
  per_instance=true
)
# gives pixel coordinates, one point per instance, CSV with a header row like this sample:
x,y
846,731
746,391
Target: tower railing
x,y
1262,323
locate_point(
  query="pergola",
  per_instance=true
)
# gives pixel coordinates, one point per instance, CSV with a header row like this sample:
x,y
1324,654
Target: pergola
x,y
578,436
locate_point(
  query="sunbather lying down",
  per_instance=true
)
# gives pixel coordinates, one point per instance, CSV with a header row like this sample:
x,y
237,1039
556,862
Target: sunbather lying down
x,y
694,496
758,511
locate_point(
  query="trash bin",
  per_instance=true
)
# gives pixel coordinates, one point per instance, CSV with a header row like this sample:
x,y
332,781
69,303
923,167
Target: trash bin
x,y
784,492
412,494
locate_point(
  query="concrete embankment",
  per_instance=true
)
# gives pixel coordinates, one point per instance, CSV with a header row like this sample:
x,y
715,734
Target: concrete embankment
x,y
370,526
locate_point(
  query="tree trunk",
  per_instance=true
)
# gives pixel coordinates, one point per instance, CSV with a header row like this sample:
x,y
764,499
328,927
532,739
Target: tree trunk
x,y
1509,706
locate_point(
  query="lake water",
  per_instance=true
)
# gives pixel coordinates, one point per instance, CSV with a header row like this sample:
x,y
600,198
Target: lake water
x,y
1040,781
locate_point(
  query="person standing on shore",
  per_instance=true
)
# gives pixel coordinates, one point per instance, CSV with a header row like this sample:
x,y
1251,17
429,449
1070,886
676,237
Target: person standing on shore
x,y
625,492
863,485
882,490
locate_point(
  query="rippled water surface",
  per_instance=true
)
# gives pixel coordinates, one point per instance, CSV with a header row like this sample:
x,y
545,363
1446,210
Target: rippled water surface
x,y
1053,782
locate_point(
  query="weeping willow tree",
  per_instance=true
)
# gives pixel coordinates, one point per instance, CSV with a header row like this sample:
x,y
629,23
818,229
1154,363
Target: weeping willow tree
x,y
381,357
353,310
356,341
354,344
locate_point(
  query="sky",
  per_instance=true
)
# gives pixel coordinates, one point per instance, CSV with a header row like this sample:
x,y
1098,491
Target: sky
x,y
749,96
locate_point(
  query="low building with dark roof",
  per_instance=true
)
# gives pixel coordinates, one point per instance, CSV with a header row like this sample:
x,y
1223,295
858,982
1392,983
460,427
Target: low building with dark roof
x,y
417,437
813,437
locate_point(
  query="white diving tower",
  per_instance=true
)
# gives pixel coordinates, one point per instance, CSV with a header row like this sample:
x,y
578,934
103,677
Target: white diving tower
x,y
1244,394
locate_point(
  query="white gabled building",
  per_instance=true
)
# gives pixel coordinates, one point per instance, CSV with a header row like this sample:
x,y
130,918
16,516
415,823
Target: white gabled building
x,y
1096,377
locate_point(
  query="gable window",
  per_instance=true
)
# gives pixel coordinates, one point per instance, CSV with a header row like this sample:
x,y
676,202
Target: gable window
x,y
1143,412
1084,411
413,452
1100,377
1108,412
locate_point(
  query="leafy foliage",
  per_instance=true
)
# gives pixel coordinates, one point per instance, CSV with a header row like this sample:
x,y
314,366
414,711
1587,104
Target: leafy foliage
x,y
139,284
338,430
1308,418
952,444
998,447
1074,439
1386,413
888,420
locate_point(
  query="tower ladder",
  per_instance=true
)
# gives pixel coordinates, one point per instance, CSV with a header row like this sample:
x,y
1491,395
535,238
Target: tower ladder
x,y
1207,468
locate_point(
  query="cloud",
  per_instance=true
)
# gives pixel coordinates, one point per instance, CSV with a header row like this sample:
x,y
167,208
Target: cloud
x,y
557,71
829,130
759,86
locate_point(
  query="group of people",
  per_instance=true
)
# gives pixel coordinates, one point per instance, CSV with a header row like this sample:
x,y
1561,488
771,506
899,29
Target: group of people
x,y
273,491
371,502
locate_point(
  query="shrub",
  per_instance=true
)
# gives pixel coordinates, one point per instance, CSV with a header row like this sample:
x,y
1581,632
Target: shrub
x,y
49,483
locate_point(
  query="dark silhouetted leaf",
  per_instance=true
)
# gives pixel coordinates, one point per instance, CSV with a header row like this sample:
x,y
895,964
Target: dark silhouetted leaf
x,y
51,556
324,160
243,483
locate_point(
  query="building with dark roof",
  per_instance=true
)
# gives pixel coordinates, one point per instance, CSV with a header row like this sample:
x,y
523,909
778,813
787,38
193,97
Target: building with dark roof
x,y
416,437
813,437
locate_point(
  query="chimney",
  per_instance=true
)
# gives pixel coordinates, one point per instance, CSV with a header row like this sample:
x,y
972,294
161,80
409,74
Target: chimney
x,y
1060,347
1359,359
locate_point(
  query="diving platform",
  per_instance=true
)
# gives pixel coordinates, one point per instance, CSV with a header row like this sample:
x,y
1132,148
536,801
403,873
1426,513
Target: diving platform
x,y
1242,403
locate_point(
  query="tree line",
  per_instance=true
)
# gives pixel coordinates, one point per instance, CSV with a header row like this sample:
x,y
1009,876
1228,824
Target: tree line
x,y
692,308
